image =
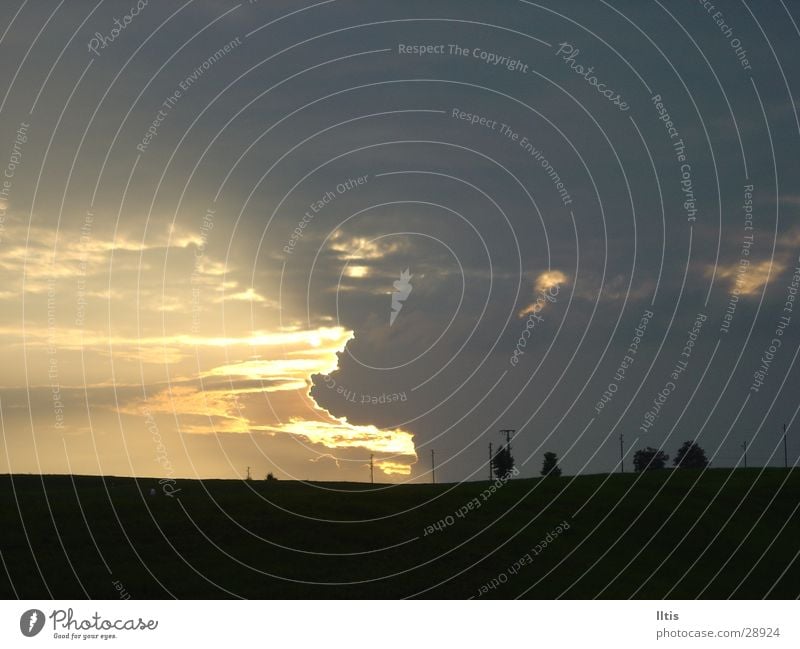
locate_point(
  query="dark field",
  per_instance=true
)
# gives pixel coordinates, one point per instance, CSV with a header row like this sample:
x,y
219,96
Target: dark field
x,y
219,539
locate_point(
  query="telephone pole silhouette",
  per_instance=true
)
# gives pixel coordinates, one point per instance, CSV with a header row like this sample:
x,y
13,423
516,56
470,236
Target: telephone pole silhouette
x,y
744,448
248,473
621,454
433,467
509,432
371,469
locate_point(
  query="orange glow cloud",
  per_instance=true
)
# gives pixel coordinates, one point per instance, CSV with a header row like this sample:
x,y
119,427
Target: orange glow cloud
x,y
549,279
749,279
394,468
210,411
122,311
544,282
340,433
293,357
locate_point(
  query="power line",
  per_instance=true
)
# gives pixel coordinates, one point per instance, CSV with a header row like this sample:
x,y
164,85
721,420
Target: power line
x,y
509,432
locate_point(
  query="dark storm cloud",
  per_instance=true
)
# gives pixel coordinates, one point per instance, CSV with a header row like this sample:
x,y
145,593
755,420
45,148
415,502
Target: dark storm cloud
x,y
473,211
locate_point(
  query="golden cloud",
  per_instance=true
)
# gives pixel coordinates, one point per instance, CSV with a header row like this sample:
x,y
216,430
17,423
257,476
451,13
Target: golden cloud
x,y
200,411
292,358
545,282
549,279
339,433
394,468
750,278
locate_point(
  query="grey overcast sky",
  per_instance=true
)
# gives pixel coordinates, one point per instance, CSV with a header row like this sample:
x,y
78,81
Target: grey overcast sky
x,y
208,207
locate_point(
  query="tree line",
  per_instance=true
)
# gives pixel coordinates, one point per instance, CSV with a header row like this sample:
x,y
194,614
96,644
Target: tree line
x,y
689,456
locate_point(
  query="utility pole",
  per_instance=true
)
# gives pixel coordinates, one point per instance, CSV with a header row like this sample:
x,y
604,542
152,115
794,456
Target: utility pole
x,y
248,473
621,454
785,452
491,457
744,448
371,469
509,432
433,467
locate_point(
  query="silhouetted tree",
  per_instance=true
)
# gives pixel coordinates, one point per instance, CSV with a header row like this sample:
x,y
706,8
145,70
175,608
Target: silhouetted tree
x,y
503,463
550,465
270,477
690,456
649,458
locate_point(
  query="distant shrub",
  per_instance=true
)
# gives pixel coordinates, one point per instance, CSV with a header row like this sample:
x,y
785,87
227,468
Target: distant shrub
x,y
691,456
550,465
647,459
503,463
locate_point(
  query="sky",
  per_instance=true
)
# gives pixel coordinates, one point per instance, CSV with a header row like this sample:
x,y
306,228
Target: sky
x,y
297,237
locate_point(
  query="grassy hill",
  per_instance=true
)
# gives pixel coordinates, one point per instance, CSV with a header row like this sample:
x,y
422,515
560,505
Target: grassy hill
x,y
675,534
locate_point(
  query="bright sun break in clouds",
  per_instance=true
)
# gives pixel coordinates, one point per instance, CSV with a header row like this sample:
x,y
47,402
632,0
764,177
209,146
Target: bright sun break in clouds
x,y
292,357
748,279
546,287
